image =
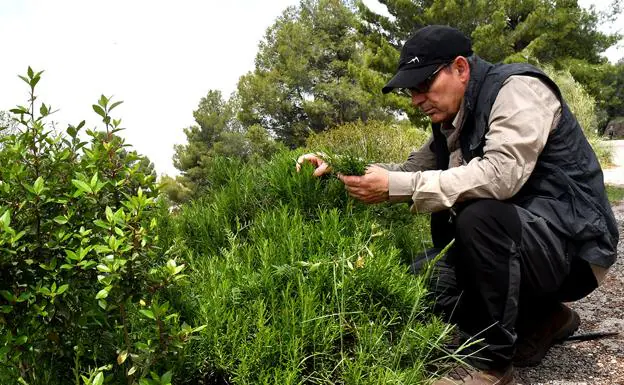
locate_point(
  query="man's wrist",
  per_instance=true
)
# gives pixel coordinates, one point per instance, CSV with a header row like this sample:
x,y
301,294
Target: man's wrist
x,y
400,186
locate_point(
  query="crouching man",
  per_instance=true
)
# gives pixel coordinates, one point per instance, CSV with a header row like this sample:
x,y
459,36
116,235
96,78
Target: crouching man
x,y
509,174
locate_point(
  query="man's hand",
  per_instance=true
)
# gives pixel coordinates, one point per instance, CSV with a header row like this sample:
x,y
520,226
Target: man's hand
x,y
321,167
371,187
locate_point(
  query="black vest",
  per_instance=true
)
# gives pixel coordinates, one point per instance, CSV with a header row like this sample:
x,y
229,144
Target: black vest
x,y
566,187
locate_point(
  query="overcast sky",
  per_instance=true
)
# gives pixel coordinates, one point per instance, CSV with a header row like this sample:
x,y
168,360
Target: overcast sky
x,y
159,57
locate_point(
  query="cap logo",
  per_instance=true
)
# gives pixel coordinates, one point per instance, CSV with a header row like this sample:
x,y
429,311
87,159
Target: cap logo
x,y
414,60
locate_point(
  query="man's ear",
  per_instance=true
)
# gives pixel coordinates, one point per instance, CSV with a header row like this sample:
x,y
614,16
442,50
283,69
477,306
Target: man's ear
x,y
462,68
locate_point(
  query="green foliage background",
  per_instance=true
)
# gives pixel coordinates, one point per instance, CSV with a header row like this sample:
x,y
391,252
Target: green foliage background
x,y
322,64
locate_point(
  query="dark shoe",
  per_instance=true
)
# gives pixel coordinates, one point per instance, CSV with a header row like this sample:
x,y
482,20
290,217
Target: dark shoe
x,y
534,343
461,375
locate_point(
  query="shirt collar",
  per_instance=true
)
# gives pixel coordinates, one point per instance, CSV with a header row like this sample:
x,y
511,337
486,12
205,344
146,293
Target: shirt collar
x,y
459,117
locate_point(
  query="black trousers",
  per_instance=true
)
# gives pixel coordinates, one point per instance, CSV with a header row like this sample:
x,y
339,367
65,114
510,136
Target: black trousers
x,y
506,267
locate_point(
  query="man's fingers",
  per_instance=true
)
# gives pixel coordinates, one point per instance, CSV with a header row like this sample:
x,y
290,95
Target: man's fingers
x,y
303,158
371,168
322,169
369,188
350,180
309,158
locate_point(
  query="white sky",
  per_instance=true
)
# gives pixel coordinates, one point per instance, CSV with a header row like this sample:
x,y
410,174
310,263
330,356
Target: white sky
x,y
159,57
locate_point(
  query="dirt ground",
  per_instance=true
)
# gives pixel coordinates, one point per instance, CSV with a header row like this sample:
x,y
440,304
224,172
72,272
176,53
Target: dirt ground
x,y
598,362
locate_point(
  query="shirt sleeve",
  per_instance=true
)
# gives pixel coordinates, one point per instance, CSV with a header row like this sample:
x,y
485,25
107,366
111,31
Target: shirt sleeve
x,y
419,160
523,114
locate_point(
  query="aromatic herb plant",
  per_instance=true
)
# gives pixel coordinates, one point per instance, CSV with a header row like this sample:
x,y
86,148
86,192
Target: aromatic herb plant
x,y
299,284
346,164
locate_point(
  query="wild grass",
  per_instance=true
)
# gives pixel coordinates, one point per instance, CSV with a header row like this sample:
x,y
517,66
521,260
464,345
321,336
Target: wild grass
x,y
299,284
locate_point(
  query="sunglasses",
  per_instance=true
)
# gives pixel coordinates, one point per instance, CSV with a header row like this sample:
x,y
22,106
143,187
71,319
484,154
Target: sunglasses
x,y
424,87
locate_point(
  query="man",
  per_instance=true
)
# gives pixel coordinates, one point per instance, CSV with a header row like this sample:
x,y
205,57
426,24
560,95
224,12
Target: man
x,y
509,174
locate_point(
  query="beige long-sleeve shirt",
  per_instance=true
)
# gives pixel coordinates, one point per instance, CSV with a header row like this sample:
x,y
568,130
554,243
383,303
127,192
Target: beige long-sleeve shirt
x,y
524,113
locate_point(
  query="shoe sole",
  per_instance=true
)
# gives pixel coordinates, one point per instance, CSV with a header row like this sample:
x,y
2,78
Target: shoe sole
x,y
562,334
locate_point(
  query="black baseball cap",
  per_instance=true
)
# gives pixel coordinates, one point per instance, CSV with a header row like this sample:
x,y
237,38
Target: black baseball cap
x,y
424,52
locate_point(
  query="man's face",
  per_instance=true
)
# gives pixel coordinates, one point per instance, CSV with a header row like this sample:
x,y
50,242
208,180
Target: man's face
x,y
446,89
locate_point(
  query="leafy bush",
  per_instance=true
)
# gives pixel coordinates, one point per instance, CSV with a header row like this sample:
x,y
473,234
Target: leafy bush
x,y
297,283
82,280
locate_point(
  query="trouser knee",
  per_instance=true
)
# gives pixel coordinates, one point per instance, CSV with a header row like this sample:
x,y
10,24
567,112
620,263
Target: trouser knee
x,y
486,232
487,219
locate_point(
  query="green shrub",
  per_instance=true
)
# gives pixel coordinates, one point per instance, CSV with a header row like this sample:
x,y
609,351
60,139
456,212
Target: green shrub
x,y
297,283
374,140
82,281
615,193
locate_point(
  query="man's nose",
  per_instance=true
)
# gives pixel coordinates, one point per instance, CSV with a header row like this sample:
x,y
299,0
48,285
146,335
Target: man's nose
x,y
418,98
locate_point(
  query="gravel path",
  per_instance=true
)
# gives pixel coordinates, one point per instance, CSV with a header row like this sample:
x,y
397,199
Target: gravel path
x,y
598,362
